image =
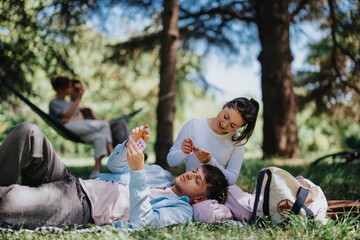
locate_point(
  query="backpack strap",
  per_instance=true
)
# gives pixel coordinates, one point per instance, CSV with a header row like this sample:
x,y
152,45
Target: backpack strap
x,y
299,202
300,199
259,184
308,211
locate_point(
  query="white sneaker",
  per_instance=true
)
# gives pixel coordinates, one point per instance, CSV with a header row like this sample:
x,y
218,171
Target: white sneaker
x,y
94,174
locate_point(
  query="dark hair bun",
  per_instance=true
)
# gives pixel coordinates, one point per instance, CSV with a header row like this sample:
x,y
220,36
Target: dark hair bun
x,y
255,104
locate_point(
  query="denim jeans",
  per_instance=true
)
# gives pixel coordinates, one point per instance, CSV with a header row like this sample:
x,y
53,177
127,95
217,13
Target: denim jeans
x,y
49,195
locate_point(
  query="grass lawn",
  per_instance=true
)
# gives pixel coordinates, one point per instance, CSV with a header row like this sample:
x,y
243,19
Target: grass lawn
x,y
337,182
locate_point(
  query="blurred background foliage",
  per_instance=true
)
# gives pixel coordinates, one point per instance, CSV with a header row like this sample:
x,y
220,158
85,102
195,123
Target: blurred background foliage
x,y
41,39
324,134
111,90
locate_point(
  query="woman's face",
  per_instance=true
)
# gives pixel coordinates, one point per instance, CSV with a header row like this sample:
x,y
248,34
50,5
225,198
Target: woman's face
x,y
228,120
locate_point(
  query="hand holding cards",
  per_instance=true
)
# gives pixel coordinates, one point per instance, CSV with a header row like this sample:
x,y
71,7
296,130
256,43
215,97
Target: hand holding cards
x,y
134,156
187,146
202,154
139,134
193,148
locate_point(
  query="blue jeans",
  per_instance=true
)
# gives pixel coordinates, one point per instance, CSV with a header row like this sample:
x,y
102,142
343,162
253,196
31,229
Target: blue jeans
x,y
49,195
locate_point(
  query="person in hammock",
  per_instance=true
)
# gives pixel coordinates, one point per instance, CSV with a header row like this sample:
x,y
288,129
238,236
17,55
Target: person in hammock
x,y
94,132
118,127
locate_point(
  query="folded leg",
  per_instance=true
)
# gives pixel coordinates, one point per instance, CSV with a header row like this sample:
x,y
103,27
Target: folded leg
x,y
26,152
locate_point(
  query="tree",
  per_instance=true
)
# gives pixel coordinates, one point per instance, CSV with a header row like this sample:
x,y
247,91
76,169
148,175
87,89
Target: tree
x,y
228,24
58,42
214,21
280,133
167,92
334,83
36,34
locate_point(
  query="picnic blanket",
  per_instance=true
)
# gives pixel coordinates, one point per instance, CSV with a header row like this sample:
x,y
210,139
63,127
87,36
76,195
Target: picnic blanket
x,y
49,229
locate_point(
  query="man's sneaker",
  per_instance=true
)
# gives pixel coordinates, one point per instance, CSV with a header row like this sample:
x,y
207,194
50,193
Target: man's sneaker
x,y
94,174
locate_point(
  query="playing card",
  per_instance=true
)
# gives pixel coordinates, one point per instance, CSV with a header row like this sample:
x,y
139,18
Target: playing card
x,y
141,144
203,150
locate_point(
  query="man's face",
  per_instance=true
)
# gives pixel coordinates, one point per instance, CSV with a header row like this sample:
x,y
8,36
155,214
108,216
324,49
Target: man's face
x,y
75,91
192,184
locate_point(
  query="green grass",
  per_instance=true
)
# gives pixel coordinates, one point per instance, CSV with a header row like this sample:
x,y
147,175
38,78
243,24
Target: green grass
x,y
298,228
337,183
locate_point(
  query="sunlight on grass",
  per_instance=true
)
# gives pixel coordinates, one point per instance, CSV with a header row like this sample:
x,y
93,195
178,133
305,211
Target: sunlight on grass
x,y
80,161
291,162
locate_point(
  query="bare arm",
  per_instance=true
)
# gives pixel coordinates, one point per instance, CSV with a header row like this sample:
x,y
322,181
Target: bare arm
x,y
68,113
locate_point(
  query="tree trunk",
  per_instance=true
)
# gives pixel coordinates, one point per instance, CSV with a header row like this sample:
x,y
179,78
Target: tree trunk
x,y
280,131
168,76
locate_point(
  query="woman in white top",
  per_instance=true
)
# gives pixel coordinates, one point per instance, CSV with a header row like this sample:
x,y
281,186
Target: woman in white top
x,y
216,141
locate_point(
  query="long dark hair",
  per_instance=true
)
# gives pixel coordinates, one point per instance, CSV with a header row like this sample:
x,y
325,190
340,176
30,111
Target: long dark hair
x,y
248,110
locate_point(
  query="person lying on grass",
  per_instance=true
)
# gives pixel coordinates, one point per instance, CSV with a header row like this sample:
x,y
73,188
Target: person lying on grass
x,y
135,195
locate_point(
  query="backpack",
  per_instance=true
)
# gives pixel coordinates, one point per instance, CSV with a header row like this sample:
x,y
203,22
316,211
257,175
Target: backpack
x,y
282,194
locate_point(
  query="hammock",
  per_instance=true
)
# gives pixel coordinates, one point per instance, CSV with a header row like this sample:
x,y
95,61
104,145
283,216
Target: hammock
x,y
54,122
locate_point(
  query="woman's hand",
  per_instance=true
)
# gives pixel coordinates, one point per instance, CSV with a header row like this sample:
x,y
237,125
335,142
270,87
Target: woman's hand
x,y
187,145
203,157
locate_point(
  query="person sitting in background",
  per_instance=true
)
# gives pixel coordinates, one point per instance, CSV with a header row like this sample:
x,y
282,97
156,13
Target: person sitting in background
x,y
143,195
118,127
95,132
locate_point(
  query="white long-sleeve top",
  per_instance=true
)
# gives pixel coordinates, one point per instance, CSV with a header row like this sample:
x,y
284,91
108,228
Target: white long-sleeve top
x,y
225,154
